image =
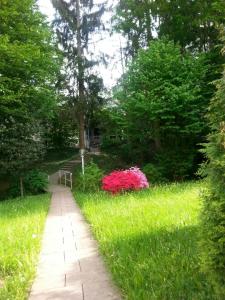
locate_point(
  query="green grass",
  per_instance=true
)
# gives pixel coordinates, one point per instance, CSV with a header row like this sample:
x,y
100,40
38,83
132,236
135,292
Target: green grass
x,y
21,226
149,240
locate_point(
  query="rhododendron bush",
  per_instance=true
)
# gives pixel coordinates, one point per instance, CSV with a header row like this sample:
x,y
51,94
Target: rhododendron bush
x,y
125,180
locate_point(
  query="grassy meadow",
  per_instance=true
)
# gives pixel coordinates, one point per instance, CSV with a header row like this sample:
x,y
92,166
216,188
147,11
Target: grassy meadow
x,y
21,226
149,240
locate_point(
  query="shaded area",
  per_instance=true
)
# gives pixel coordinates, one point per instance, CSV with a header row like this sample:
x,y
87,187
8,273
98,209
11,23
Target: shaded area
x,y
159,265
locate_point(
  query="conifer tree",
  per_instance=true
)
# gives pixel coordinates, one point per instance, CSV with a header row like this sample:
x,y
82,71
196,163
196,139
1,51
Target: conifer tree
x,y
213,215
76,22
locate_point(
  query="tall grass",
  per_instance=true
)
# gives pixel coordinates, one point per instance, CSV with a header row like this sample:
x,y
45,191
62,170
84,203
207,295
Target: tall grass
x,y
21,226
150,241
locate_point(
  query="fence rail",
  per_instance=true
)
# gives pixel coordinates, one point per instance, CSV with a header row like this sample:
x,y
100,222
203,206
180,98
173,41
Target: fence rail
x,y
65,177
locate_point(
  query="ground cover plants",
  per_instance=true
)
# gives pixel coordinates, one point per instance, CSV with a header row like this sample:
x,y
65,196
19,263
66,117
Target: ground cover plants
x,y
149,240
21,223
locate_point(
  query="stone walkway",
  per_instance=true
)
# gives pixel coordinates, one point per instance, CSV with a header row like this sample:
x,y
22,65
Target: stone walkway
x,y
70,266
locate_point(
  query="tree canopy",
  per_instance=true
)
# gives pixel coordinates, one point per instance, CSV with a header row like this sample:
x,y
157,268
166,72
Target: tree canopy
x,y
162,107
29,65
76,23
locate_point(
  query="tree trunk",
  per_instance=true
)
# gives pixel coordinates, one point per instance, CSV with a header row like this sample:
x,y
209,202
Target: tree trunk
x,y
81,131
21,187
122,59
81,88
157,139
149,26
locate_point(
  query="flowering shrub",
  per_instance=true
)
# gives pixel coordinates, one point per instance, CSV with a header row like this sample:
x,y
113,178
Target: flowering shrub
x,y
125,180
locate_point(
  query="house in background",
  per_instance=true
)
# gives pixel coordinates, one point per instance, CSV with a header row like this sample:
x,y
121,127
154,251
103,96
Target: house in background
x,y
93,139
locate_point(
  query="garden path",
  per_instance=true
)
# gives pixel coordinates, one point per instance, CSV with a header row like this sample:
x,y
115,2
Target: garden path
x,y
70,266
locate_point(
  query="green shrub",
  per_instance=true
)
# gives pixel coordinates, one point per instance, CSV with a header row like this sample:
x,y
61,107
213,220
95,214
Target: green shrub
x,y
14,190
35,182
91,180
213,213
175,165
153,174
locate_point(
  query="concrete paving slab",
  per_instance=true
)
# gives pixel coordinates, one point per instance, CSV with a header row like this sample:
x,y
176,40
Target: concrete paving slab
x,y
67,293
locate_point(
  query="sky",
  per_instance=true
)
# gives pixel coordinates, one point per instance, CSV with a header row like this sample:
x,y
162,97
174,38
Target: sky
x,y
110,46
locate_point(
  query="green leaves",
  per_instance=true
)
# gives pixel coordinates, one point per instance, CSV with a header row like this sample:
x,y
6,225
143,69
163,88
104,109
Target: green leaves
x,y
21,145
162,84
161,97
29,64
213,214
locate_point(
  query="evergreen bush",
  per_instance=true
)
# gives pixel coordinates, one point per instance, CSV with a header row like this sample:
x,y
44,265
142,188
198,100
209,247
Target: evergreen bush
x,y
153,173
213,214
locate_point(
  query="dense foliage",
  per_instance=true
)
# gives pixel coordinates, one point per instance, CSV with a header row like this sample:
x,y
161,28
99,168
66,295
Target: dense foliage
x,y
28,70
35,182
91,179
77,24
160,110
135,20
214,202
191,23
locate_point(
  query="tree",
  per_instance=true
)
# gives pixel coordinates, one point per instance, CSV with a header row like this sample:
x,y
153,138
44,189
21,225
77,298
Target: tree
x,y
192,24
75,23
135,20
21,146
161,102
213,214
29,64
62,128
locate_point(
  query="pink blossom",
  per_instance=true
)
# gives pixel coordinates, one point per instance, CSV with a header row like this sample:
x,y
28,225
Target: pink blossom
x,y
125,180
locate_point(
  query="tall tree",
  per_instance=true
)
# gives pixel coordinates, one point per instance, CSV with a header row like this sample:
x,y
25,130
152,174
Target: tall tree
x,y
135,20
213,214
161,98
76,23
28,68
193,24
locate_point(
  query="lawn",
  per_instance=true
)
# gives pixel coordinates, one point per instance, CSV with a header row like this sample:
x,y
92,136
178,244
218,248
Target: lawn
x,y
149,240
21,226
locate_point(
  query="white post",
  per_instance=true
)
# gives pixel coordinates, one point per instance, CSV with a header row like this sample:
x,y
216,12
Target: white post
x,y
82,159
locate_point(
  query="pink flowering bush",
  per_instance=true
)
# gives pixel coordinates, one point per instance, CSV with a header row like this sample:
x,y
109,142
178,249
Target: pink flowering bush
x,y
125,180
